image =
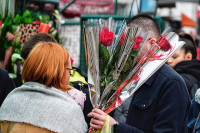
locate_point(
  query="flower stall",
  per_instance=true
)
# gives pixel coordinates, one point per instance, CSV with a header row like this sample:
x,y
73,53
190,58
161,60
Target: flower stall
x,y
15,31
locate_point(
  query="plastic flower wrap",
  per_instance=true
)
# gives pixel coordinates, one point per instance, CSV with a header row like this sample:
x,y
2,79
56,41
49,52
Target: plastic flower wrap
x,y
121,62
156,56
114,71
110,55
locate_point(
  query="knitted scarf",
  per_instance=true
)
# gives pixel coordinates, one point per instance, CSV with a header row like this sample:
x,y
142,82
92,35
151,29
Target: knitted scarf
x,y
48,108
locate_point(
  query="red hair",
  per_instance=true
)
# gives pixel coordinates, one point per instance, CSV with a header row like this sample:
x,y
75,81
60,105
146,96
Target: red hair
x,y
46,64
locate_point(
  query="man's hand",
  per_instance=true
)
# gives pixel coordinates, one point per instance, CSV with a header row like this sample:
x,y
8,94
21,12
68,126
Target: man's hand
x,y
99,118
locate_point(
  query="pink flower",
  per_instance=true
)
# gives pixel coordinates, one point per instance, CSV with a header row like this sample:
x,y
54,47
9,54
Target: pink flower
x,y
9,36
122,38
106,37
164,45
138,41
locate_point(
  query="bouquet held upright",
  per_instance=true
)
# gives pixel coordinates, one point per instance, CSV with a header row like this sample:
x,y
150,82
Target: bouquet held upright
x,y
113,66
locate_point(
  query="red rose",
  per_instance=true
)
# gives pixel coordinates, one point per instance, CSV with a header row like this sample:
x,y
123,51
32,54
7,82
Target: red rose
x,y
122,38
36,22
136,46
137,41
164,45
0,23
106,37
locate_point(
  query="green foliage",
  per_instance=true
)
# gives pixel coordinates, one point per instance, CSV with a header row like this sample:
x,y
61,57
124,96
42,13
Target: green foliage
x,y
104,54
111,64
43,18
27,18
17,19
7,27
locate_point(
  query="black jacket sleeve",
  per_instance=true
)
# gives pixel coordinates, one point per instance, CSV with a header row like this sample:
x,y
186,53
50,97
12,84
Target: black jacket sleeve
x,y
6,85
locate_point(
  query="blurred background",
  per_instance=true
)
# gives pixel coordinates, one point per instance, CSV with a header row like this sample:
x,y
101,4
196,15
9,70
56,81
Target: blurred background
x,y
66,23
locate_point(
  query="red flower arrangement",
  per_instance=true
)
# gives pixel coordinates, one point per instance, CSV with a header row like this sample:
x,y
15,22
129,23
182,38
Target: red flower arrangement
x,y
106,37
164,45
138,41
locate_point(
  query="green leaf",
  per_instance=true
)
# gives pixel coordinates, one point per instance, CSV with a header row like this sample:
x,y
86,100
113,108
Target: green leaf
x,y
38,16
27,17
17,19
103,62
7,27
45,19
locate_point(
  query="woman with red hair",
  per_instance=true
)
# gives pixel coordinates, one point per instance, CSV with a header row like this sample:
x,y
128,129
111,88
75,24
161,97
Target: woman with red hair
x,y
43,103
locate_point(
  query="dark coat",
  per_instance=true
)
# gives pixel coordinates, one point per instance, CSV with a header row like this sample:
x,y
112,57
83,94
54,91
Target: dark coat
x,y
192,117
190,72
6,85
161,105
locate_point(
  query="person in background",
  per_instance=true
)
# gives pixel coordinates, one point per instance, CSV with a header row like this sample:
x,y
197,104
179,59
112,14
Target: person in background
x,y
6,85
160,105
184,62
77,78
194,114
42,104
39,37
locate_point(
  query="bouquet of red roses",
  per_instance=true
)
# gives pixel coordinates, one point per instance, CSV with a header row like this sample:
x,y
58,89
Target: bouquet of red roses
x,y
109,55
155,57
114,74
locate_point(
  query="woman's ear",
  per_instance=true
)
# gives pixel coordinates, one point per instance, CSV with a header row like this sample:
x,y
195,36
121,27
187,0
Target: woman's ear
x,y
188,56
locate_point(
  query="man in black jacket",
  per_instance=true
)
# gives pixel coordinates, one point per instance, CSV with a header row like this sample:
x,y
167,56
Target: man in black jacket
x,y
160,105
6,85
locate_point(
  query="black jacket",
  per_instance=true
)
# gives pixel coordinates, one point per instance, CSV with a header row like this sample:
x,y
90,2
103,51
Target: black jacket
x,y
160,105
6,85
190,72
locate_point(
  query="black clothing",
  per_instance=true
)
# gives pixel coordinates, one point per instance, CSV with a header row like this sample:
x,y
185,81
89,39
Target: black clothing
x,y
190,72
160,105
6,85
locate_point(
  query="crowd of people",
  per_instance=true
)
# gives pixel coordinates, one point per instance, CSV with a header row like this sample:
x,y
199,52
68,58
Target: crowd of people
x,y
168,102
